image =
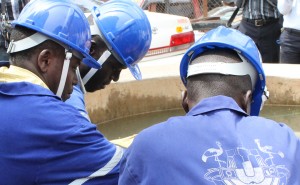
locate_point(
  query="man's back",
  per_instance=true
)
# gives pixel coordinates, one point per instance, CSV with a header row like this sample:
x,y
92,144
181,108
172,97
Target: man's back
x,y
215,143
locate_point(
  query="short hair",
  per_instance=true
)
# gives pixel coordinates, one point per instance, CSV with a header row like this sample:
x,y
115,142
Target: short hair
x,y
217,84
19,33
99,42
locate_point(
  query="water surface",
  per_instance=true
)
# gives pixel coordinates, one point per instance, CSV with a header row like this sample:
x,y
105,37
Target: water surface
x,y
127,126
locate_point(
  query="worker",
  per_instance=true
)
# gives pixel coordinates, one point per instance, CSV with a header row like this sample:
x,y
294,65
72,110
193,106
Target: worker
x,y
44,140
121,37
220,140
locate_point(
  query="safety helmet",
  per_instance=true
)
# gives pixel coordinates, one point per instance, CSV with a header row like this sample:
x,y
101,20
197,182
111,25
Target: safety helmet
x,y
126,30
222,37
61,21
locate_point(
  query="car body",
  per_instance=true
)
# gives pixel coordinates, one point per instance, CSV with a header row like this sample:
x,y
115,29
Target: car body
x,y
171,35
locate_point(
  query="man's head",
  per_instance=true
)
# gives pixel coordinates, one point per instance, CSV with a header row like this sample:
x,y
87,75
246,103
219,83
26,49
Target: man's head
x,y
52,46
219,63
110,70
207,85
46,61
122,37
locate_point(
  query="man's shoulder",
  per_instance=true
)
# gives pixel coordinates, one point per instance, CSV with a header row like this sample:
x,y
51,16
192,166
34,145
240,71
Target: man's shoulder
x,y
163,132
263,121
40,102
24,89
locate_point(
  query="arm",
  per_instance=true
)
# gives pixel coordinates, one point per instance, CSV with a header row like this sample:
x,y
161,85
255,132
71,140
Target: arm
x,y
77,152
126,175
77,101
285,6
143,160
129,163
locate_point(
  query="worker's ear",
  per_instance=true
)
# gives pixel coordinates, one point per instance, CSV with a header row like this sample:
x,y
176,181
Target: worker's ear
x,y
184,102
247,100
44,60
93,48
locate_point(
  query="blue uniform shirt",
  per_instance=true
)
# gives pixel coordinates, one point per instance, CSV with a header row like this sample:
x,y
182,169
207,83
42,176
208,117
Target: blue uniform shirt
x,y
215,143
45,141
77,101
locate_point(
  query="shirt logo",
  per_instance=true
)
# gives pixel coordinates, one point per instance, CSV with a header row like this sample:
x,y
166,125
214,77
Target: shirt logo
x,y
245,166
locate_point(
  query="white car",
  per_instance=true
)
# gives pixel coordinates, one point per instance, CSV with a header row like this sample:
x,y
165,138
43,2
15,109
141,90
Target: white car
x,y
171,35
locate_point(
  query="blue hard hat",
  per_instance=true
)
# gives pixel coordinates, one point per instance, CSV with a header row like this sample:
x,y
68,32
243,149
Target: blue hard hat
x,y
222,37
126,31
61,21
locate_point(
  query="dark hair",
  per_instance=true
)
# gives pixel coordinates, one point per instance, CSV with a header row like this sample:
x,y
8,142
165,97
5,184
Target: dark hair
x,y
217,84
99,42
19,33
101,45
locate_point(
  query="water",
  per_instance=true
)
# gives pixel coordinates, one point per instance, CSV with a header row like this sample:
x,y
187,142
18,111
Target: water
x,y
127,126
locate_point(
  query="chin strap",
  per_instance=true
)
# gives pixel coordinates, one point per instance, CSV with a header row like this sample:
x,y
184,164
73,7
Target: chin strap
x,y
80,82
64,74
92,71
264,97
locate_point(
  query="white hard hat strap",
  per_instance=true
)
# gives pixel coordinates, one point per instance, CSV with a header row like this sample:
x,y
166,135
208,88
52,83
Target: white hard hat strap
x,y
92,71
64,73
239,69
80,82
26,43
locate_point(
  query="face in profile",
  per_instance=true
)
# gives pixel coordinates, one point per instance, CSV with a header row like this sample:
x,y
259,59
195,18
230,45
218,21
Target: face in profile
x,y
71,78
110,70
50,62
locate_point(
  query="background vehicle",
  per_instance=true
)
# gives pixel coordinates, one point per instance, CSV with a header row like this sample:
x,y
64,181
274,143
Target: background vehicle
x,y
202,15
171,35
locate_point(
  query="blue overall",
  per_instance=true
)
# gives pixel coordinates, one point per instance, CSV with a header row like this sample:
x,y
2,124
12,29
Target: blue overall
x,y
77,101
215,143
45,141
